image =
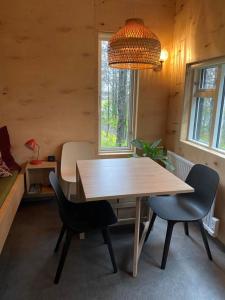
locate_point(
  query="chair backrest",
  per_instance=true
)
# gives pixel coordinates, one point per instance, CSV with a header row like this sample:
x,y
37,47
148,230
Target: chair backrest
x,y
205,182
61,199
71,152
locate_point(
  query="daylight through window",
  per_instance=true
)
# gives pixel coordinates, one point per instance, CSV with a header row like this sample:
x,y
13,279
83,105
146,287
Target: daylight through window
x,y
207,117
117,105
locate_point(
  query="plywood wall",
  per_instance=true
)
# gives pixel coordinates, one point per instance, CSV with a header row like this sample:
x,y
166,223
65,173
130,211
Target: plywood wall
x,y
199,35
49,69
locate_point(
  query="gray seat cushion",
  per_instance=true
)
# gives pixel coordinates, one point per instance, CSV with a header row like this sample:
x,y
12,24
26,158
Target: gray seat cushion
x,y
182,207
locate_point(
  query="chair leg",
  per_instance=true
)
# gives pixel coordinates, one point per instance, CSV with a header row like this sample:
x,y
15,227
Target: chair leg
x,y
186,230
63,256
204,237
150,226
167,243
60,238
68,190
109,244
104,236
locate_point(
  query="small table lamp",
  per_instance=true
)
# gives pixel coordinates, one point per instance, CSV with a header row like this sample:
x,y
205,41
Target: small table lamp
x,y
32,144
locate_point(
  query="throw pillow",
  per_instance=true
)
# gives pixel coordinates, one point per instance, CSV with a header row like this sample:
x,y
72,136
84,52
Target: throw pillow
x,y
4,170
5,150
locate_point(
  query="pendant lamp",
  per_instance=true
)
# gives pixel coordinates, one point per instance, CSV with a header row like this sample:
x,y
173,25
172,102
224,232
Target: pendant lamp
x,y
134,47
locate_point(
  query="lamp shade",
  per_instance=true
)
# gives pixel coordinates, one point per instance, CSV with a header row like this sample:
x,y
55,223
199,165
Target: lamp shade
x,y
31,144
134,47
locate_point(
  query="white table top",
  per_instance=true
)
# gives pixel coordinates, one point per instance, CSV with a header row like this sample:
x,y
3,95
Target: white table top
x,y
125,177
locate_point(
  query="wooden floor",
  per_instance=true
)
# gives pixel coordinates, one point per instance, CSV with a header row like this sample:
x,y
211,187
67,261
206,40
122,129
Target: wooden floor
x,y
28,265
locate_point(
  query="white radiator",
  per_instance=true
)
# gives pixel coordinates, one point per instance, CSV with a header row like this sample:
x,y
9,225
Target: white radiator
x,y
182,168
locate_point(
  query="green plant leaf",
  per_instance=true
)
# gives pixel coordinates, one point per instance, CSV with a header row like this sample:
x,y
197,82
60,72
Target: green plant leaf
x,y
137,143
156,143
154,151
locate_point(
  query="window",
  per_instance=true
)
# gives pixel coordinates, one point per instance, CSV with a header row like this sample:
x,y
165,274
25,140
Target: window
x,y
116,104
207,116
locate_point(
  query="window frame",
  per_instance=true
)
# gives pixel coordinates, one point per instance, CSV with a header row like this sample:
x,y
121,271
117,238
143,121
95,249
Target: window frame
x,y
218,96
105,36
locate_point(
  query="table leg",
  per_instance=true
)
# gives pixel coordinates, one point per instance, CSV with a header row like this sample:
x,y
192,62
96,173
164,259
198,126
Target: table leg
x,y
78,192
79,195
79,188
139,242
136,236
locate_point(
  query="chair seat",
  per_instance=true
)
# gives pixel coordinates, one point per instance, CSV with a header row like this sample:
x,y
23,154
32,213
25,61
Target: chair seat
x,y
82,217
182,207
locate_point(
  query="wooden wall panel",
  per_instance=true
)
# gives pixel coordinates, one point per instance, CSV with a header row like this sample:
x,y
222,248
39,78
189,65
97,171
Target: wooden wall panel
x,y
49,69
199,34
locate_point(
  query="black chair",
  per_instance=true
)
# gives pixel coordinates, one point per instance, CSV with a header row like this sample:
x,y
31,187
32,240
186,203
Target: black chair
x,y
81,217
189,207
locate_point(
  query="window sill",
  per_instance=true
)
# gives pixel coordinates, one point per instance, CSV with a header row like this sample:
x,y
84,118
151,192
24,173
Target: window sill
x,y
200,147
115,153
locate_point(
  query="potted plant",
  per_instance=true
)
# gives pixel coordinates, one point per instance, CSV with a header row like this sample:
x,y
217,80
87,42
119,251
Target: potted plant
x,y
153,150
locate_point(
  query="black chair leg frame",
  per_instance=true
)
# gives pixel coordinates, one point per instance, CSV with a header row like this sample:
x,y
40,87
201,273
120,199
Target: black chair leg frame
x,y
60,238
169,232
107,240
204,237
168,239
65,249
104,236
150,226
186,230
69,234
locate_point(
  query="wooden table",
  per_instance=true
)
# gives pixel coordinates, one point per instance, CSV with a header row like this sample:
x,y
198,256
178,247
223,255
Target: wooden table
x,y
106,179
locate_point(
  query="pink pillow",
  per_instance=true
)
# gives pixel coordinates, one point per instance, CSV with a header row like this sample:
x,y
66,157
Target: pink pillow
x,y
5,150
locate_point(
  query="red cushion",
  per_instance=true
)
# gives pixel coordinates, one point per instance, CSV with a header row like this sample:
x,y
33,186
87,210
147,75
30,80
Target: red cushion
x,y
5,149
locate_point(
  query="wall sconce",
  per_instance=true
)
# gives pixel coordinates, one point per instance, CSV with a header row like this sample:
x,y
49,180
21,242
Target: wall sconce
x,y
163,57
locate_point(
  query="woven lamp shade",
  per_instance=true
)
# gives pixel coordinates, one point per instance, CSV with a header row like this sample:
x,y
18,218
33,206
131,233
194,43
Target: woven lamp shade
x,y
134,47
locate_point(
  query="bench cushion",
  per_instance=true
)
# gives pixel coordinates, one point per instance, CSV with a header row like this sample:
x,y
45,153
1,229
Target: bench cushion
x,y
5,186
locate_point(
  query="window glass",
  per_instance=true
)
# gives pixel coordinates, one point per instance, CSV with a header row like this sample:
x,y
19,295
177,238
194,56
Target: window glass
x,y
221,144
208,78
202,120
116,105
207,115
221,128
